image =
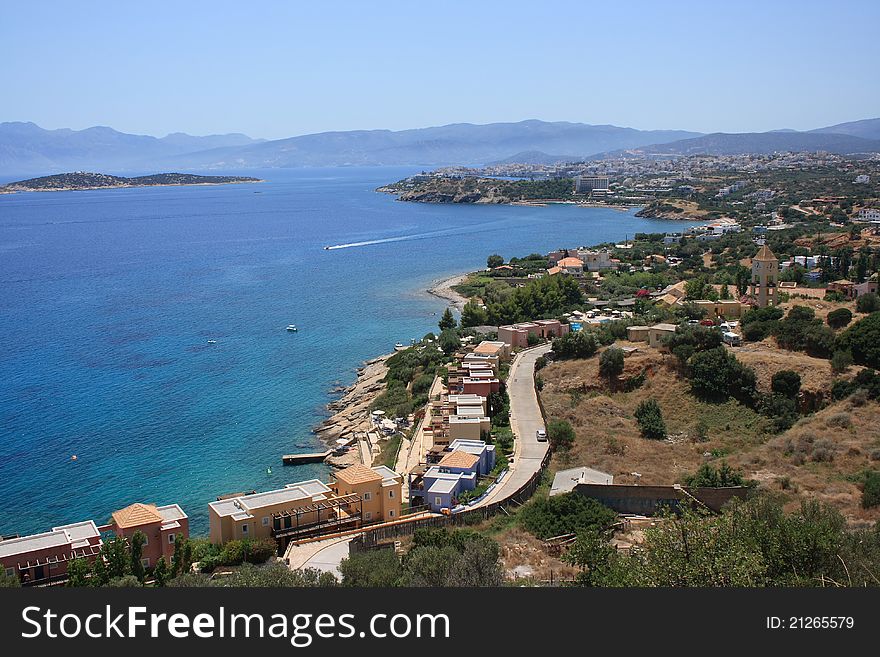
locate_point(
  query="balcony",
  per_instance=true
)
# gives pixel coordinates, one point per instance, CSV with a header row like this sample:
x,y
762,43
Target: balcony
x,y
339,513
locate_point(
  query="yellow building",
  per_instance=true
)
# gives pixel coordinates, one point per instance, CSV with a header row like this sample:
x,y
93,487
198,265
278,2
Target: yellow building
x,y
658,333
765,277
726,308
309,508
378,488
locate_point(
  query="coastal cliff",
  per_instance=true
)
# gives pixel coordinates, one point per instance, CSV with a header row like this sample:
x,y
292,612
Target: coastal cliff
x,y
454,189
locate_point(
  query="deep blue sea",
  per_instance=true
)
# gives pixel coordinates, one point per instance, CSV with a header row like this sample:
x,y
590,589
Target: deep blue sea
x,y
108,300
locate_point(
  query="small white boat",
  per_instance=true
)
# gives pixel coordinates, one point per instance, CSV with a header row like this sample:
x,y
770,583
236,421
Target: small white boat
x,y
212,342
291,327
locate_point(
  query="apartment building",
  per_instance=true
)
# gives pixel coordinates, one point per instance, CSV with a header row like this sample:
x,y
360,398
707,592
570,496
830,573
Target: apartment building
x,y
517,335
43,558
356,495
160,525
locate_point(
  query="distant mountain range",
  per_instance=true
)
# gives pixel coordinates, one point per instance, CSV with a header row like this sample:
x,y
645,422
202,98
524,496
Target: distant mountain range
x,y
721,143
25,148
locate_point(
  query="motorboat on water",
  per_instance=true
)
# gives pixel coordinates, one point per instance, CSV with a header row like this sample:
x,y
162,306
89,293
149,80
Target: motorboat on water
x,y
291,327
212,342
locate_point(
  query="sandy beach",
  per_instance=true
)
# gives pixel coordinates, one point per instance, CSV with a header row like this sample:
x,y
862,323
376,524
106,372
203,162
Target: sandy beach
x,y
443,290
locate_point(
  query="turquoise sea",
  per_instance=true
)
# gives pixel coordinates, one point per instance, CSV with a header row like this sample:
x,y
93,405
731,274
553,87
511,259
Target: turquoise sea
x,y
108,300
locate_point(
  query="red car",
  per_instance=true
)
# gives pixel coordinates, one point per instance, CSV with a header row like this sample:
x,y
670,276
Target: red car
x,y
707,322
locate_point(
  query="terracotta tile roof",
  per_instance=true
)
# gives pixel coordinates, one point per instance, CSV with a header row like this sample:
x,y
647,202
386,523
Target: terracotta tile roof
x,y
358,474
459,459
570,262
553,270
135,515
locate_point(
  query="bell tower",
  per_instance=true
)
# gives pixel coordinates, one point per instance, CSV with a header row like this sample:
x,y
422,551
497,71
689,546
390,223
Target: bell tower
x,y
765,276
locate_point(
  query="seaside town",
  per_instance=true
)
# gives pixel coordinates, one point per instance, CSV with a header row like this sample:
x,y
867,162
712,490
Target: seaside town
x,y
576,409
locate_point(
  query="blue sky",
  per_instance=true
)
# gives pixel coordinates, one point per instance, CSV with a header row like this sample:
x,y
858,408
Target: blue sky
x,y
277,69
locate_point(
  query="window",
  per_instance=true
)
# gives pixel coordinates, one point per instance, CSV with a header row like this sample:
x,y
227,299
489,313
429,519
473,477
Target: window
x,y
10,572
146,539
53,566
368,515
145,563
438,501
171,539
368,496
244,529
391,494
265,521
390,513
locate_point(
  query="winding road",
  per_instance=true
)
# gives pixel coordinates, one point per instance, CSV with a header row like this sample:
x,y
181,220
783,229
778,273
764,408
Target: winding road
x,y
525,420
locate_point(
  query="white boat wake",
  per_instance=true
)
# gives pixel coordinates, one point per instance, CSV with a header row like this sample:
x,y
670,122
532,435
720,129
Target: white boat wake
x,y
419,236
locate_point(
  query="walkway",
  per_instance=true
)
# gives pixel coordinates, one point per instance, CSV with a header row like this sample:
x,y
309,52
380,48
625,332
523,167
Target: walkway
x,y
413,452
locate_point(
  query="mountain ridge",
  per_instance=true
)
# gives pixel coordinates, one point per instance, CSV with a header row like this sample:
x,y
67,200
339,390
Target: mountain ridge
x,y
26,148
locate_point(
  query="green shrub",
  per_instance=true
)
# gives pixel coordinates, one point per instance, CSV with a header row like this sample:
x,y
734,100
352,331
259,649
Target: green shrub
x,y
560,434
708,476
841,360
868,303
611,363
716,375
871,490
757,331
839,318
650,420
581,344
564,514
862,339
802,331
787,383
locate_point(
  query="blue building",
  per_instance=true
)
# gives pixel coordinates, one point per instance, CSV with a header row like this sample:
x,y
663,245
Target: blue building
x,y
485,453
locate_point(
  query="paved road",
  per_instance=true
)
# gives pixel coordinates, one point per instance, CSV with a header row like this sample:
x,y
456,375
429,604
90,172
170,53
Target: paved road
x,y
525,420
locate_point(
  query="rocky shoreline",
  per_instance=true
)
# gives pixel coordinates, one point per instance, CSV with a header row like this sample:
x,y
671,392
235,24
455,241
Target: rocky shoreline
x,y
443,290
351,412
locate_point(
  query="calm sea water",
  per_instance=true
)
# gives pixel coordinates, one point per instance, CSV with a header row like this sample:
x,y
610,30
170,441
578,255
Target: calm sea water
x,y
108,300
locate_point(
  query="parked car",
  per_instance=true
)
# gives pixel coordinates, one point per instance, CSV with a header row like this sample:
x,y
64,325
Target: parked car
x,y
541,435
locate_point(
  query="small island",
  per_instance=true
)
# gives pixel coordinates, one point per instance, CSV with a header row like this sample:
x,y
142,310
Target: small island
x,y
81,180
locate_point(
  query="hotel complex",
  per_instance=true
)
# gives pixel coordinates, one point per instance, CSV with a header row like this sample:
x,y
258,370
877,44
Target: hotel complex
x,y
357,495
43,558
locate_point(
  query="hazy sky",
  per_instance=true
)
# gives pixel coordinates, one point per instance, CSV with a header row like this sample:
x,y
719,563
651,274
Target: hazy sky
x,y
277,69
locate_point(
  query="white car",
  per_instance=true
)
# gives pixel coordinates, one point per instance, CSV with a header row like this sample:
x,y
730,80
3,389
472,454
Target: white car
x,y
541,435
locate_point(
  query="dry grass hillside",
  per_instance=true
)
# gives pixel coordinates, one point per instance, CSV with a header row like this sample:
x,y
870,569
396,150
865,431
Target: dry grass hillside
x,y
608,437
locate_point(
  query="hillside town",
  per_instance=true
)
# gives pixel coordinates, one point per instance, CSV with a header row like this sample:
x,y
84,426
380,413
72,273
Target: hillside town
x,y
672,373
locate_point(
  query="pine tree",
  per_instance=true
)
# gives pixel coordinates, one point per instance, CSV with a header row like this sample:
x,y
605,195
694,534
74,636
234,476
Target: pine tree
x,y
447,321
100,576
177,557
78,572
160,572
473,315
137,552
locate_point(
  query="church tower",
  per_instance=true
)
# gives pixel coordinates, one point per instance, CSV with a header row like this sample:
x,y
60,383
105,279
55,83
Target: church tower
x,y
765,275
